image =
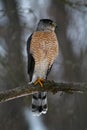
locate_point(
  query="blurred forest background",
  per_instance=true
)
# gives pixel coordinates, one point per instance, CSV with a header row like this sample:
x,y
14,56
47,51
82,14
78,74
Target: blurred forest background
x,y
18,19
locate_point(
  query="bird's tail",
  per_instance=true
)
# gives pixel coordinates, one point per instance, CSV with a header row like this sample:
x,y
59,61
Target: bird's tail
x,y
39,103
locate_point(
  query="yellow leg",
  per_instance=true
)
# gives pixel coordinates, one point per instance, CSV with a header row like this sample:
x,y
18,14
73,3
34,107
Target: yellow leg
x,y
39,81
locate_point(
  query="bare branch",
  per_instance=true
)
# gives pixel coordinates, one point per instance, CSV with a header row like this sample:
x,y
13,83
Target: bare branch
x,y
49,86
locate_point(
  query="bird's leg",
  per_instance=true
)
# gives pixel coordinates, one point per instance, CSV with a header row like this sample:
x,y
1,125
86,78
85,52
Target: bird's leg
x,y
39,80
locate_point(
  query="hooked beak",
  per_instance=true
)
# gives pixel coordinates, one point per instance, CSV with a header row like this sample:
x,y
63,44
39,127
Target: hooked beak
x,y
54,24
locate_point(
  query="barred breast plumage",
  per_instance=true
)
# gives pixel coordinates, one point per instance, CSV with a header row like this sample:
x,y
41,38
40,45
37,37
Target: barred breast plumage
x,y
44,45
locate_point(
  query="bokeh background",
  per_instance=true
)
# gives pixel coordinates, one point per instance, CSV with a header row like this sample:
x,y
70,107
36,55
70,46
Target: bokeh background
x,y
18,19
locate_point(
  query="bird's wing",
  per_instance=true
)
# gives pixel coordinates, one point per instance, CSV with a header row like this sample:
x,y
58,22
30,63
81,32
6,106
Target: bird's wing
x,y
31,61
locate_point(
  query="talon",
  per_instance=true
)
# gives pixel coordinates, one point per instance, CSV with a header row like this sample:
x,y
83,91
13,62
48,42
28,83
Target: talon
x,y
39,81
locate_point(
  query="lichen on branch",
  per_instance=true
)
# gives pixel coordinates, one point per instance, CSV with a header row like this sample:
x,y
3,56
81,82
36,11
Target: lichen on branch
x,y
49,86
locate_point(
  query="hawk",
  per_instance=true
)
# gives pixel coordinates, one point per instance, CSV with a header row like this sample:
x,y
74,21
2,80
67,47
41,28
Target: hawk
x,y
42,50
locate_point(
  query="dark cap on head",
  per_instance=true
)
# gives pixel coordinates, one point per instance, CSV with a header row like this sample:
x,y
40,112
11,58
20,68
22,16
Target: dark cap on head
x,y
46,20
46,24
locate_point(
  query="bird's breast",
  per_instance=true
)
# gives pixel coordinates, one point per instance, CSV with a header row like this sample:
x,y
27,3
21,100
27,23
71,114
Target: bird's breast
x,y
44,48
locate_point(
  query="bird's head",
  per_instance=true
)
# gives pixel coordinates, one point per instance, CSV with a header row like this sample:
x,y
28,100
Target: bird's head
x,y
46,25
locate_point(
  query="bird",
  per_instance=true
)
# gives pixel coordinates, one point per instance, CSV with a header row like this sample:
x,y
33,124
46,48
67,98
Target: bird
x,y
42,50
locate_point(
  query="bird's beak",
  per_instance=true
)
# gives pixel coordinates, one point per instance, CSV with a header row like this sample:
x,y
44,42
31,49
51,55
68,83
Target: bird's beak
x,y
54,24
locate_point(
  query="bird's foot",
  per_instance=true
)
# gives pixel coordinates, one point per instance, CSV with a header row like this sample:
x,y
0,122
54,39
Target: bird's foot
x,y
39,80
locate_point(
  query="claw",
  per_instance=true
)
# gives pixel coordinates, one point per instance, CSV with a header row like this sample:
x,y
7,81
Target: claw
x,y
39,81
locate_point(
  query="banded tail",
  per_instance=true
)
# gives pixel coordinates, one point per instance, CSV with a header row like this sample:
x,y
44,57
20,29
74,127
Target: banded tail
x,y
39,103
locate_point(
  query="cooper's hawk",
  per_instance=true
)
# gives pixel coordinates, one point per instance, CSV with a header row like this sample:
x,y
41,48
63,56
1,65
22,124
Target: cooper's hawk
x,y
42,49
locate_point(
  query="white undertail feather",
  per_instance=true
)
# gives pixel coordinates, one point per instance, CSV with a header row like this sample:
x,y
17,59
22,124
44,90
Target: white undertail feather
x,y
40,70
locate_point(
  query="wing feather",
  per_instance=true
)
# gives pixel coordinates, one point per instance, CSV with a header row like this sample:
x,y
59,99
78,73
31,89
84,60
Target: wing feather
x,y
31,62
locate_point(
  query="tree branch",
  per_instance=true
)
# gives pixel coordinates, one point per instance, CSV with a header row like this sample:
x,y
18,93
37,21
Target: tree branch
x,y
49,86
